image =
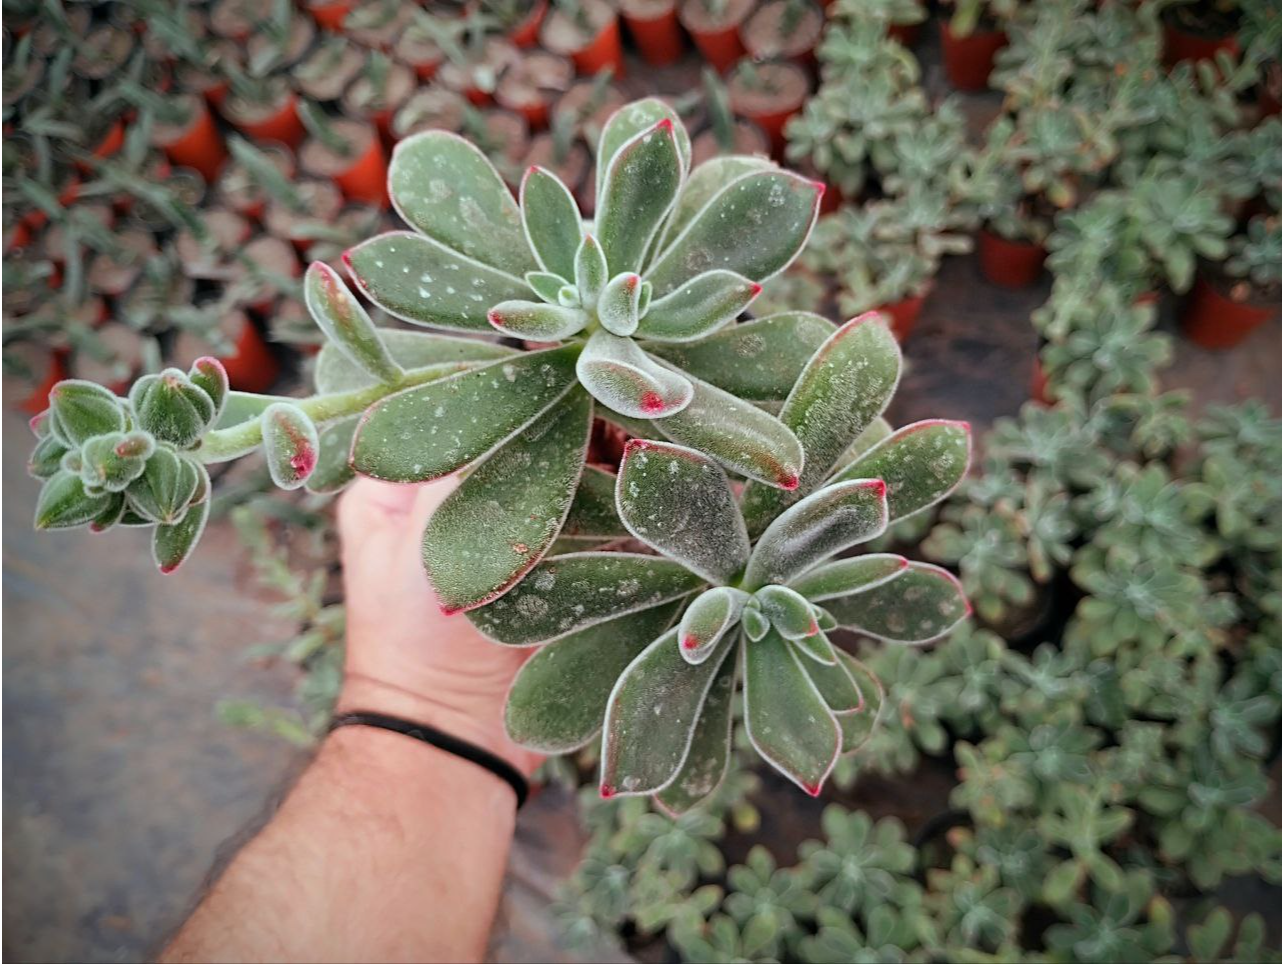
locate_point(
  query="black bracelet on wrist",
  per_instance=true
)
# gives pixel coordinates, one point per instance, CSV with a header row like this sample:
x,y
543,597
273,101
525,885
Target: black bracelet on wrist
x,y
443,741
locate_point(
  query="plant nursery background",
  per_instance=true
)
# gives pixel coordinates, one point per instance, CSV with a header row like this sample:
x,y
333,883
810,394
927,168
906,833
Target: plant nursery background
x,y
1070,212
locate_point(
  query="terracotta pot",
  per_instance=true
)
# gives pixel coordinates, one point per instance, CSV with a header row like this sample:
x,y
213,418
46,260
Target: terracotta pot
x,y
277,120
330,14
1181,45
250,364
777,95
718,39
195,144
906,34
970,59
904,314
763,37
654,26
601,49
1216,321
527,32
1009,264
362,174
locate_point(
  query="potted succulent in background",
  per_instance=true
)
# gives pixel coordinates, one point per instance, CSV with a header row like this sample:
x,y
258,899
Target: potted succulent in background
x,y
726,134
520,20
769,94
784,29
1196,30
970,39
347,151
327,71
378,90
532,84
654,26
588,32
1229,301
263,108
714,26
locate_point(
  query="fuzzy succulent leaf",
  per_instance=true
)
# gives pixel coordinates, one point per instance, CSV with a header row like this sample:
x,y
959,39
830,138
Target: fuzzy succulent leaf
x,y
758,361
843,577
290,444
409,349
618,305
825,523
173,544
742,437
678,501
593,511
111,462
630,121
592,271
621,375
709,616
790,614
559,696
171,408
46,457
786,719
859,726
552,223
166,487
63,502
651,716
547,286
416,279
756,624
922,604
340,315
755,226
565,594
705,182
79,410
333,471
639,186
696,309
710,749
921,463
429,431
536,320
874,433
846,385
835,684
209,375
494,528
114,513
446,188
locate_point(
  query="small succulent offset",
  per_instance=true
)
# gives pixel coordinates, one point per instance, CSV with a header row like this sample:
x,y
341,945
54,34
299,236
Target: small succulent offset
x,y
648,648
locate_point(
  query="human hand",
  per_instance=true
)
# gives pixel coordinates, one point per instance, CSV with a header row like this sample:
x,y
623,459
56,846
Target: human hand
x,y
403,656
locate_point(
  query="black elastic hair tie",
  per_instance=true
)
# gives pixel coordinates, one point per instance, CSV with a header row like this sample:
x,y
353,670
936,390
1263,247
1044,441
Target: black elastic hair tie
x,y
443,741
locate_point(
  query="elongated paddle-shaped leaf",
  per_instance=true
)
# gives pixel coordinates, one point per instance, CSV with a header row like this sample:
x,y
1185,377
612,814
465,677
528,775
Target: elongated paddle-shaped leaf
x,y
290,444
536,320
630,121
63,502
859,726
843,388
705,182
678,501
844,577
710,749
426,283
874,433
786,719
565,594
707,618
619,304
340,315
498,524
593,511
446,188
755,226
921,463
835,684
699,307
173,544
922,604
620,375
79,410
333,471
430,431
559,697
825,523
409,349
790,613
639,188
552,222
745,439
651,717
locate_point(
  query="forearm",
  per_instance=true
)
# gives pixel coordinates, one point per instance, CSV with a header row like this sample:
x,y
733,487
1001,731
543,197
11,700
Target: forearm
x,y
388,849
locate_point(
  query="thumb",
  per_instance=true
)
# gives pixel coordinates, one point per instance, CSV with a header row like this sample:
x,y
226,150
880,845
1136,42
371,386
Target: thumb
x,y
372,509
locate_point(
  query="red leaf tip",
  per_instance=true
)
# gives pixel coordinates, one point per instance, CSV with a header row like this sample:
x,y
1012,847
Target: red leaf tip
x,y
789,482
812,789
651,402
606,791
968,606
813,628
532,169
665,124
304,460
690,641
905,563
755,288
636,445
819,187
878,487
168,568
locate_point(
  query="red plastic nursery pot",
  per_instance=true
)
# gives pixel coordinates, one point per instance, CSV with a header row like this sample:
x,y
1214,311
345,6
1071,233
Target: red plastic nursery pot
x,y
526,33
906,34
970,59
783,28
717,35
250,364
276,119
590,49
1040,383
361,99
54,368
362,173
769,94
330,14
654,26
1183,45
531,84
903,314
195,143
1009,264
1213,318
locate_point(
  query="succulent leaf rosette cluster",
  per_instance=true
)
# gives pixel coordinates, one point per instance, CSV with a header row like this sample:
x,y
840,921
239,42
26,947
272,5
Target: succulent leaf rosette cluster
x,y
758,451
